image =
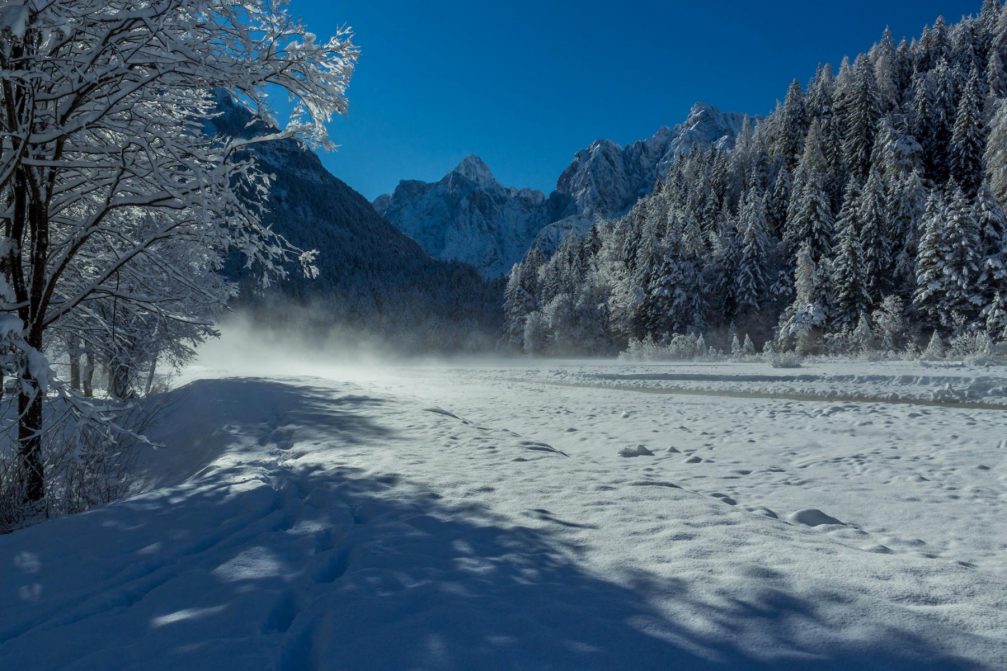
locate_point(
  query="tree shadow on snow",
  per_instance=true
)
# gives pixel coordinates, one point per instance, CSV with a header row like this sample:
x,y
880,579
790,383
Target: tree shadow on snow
x,y
333,568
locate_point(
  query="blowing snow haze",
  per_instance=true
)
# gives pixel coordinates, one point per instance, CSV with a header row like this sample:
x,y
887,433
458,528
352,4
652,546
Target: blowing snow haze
x,y
607,379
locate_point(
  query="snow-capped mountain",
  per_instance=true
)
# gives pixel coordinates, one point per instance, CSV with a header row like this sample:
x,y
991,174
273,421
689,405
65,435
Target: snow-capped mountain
x,y
371,274
469,216
606,179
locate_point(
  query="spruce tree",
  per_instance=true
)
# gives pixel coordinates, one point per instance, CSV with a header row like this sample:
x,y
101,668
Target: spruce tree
x,y
860,111
875,240
849,291
996,153
907,203
793,126
751,277
930,278
962,300
968,141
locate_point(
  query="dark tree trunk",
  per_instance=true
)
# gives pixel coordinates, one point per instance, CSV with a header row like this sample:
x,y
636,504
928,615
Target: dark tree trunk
x,y
87,382
73,350
29,404
119,374
150,376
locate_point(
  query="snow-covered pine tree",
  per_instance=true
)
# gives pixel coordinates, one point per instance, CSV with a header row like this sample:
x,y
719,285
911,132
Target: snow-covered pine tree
x,y
968,141
802,321
992,224
885,59
906,203
861,109
875,239
810,217
890,322
935,348
849,290
962,298
936,129
778,203
792,127
931,285
751,275
862,338
521,296
996,153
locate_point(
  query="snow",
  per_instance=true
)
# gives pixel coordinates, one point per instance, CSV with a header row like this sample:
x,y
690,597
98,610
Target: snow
x,y
460,515
468,216
14,18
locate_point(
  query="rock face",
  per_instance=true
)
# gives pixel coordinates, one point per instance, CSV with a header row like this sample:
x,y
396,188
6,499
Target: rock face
x,y
371,274
605,180
468,216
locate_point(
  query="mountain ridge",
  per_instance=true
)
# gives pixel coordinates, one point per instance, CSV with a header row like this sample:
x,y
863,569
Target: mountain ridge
x,y
470,217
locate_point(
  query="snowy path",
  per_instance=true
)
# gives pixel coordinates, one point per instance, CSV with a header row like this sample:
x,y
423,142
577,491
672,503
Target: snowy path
x,y
481,517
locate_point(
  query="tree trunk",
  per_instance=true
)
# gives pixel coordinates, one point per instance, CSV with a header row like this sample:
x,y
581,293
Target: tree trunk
x,y
29,404
119,374
73,350
150,376
87,382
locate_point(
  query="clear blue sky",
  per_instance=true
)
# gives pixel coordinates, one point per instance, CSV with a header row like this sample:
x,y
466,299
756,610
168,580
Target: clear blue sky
x,y
526,83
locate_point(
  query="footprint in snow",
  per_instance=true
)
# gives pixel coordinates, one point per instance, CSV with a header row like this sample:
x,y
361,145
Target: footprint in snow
x,y
638,451
541,447
441,411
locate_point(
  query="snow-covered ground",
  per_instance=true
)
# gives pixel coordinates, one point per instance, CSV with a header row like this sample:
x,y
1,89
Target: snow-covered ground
x,y
550,515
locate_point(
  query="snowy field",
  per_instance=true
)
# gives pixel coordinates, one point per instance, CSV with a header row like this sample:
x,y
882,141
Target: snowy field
x,y
549,515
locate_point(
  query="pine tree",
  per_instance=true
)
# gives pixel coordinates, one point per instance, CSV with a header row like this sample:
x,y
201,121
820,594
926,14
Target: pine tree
x,y
996,153
861,111
939,127
804,317
810,218
751,277
963,258
968,141
890,322
935,348
779,202
862,338
897,150
850,296
793,126
930,279
993,275
521,295
875,238
996,81
933,45
907,203
886,70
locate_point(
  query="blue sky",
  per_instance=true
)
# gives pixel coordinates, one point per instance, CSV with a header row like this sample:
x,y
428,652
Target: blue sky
x,y
526,83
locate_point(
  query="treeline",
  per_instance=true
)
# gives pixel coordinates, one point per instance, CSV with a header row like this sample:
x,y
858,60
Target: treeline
x,y
871,199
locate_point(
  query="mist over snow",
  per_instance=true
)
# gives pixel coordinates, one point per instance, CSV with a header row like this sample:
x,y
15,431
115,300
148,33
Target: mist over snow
x,y
730,398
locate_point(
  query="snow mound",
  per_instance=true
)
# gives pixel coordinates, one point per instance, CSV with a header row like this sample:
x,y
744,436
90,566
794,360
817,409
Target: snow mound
x,y
812,517
638,451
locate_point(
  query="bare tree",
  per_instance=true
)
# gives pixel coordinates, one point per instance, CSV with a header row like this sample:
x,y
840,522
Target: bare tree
x,y
114,187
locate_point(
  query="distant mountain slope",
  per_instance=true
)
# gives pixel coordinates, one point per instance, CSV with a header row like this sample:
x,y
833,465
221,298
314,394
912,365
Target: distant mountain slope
x,y
468,216
606,179
372,276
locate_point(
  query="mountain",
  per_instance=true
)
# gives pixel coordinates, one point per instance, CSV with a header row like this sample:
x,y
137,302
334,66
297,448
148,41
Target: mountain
x,y
469,216
866,213
606,179
372,277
